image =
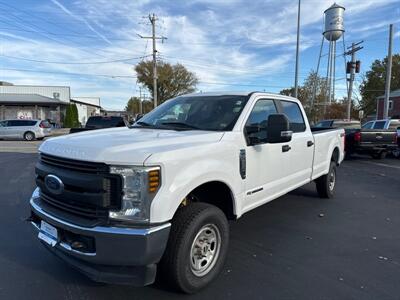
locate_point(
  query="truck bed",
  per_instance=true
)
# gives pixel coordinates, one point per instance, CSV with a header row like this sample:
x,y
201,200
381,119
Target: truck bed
x,y
324,139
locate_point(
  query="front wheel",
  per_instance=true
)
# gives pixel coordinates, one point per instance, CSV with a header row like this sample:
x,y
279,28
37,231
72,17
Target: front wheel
x,y
29,136
196,248
326,184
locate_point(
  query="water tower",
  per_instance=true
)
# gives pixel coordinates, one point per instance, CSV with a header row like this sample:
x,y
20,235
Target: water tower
x,y
333,31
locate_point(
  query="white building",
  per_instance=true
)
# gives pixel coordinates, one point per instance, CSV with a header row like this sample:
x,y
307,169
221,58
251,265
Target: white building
x,y
87,106
62,93
43,102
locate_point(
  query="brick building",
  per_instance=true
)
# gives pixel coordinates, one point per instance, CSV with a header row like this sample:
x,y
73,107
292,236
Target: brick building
x,y
394,105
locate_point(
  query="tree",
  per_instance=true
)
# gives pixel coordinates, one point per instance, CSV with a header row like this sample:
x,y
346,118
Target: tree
x,y
173,80
71,116
373,84
305,93
133,106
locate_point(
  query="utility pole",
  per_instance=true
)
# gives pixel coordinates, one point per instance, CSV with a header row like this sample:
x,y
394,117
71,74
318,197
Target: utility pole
x,y
140,101
388,74
351,67
153,20
296,76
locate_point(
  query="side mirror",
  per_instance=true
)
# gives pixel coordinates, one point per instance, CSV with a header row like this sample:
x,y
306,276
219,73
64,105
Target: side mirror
x,y
278,129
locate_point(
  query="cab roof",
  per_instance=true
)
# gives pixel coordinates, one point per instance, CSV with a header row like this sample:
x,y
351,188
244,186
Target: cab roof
x,y
241,93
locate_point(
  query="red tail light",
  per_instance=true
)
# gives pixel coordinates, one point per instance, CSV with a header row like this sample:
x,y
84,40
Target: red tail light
x,y
357,137
41,125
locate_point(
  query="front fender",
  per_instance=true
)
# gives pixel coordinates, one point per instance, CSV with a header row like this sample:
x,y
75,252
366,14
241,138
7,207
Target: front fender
x,y
181,176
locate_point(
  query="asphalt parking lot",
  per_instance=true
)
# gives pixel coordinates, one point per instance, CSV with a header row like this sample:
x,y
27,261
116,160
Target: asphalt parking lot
x,y
296,247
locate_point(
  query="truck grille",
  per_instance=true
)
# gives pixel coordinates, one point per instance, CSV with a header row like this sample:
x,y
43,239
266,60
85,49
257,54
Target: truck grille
x,y
75,165
90,191
85,211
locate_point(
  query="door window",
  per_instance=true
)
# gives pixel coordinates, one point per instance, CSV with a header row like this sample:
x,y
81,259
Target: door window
x,y
14,123
3,124
256,124
293,113
379,125
21,123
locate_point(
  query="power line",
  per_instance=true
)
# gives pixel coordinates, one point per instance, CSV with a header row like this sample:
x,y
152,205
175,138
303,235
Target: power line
x,y
68,73
74,63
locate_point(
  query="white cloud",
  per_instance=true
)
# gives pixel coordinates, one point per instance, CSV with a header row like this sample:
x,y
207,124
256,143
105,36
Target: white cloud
x,y
222,41
68,12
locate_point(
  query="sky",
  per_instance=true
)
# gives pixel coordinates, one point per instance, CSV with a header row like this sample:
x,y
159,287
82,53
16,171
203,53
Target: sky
x,y
93,45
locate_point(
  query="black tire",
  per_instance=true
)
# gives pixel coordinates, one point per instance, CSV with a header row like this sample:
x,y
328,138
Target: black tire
x,y
29,136
176,266
379,155
326,184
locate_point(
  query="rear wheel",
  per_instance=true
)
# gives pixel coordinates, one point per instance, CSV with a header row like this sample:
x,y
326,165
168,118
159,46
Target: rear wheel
x,y
197,247
29,136
326,184
379,155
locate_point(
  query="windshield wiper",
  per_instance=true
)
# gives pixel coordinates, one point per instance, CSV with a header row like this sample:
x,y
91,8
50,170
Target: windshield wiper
x,y
144,123
181,124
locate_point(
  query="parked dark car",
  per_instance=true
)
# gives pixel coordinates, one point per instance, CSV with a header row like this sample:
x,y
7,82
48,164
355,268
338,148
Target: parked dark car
x,y
338,123
100,122
375,142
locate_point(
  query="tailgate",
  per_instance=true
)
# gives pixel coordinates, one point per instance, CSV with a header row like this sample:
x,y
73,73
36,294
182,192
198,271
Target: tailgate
x,y
378,137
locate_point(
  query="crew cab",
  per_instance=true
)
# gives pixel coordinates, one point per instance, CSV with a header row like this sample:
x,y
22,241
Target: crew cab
x,y
122,204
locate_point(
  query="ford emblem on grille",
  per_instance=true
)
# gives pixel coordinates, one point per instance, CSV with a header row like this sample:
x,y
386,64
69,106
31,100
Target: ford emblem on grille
x,y
54,184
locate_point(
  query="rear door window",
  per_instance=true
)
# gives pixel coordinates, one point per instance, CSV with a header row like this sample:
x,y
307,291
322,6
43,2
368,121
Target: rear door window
x,y
379,125
293,113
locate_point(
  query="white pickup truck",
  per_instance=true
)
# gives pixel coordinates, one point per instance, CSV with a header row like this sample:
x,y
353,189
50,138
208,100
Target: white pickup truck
x,y
121,204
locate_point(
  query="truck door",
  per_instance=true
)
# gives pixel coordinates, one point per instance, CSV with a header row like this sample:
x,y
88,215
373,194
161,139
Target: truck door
x,y
299,169
264,162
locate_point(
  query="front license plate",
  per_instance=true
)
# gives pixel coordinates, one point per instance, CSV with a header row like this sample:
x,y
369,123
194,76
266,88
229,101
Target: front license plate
x,y
48,233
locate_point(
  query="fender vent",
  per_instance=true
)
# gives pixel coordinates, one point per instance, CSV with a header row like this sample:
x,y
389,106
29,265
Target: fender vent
x,y
242,163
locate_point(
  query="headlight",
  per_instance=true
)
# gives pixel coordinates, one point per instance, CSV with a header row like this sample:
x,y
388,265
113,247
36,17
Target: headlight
x,y
140,185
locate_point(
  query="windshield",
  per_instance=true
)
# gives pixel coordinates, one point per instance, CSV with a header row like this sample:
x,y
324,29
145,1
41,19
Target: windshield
x,y
215,113
105,122
322,124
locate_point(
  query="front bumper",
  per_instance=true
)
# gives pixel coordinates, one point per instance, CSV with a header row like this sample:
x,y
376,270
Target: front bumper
x,y
117,255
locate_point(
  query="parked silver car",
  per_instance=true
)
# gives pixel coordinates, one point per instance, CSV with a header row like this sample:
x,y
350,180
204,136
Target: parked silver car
x,y
28,130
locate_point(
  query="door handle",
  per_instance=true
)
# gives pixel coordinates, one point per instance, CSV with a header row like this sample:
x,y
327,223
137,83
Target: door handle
x,y
310,143
286,148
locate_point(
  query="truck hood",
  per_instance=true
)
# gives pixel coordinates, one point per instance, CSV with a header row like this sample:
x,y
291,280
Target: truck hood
x,y
131,146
